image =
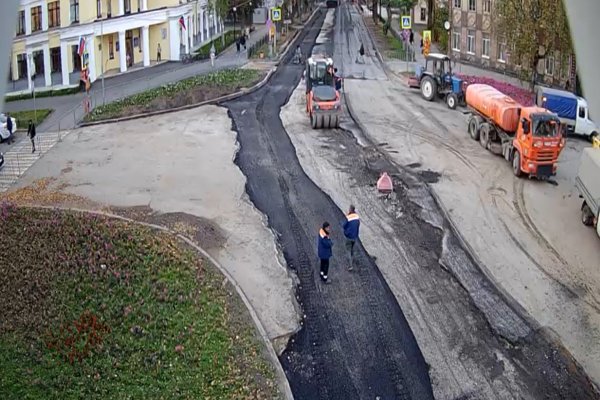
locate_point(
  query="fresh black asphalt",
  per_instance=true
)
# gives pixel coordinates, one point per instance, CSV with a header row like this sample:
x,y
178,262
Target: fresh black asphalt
x,y
355,342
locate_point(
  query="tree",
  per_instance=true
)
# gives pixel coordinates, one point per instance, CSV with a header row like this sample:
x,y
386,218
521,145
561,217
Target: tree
x,y
405,7
221,9
532,29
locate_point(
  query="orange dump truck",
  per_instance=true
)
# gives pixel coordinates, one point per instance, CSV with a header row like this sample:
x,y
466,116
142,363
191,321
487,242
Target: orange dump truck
x,y
528,137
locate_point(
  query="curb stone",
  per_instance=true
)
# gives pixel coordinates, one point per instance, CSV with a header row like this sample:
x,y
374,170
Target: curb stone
x,y
281,378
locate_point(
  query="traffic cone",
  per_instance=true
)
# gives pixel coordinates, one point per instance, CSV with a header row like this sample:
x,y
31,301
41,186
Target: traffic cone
x,y
384,183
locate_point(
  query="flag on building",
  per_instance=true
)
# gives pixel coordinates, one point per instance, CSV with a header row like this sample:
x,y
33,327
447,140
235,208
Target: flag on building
x,y
182,22
81,47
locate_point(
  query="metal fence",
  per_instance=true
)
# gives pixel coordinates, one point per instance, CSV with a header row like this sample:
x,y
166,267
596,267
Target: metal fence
x,y
252,50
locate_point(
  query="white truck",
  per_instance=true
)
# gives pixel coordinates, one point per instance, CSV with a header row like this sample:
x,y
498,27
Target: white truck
x,y
572,110
588,185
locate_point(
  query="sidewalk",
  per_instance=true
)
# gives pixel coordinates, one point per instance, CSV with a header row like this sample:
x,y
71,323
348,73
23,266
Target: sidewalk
x,y
68,110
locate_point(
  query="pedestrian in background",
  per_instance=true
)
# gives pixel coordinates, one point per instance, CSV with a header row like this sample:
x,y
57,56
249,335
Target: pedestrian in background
x,y
238,45
351,228
158,51
31,134
243,40
411,38
9,128
324,249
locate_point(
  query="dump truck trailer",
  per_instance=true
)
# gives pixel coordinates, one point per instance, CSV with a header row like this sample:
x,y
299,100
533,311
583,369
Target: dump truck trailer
x,y
588,185
528,137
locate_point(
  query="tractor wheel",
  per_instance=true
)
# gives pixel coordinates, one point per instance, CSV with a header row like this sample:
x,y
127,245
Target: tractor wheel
x,y
428,88
474,127
516,164
484,135
314,121
452,101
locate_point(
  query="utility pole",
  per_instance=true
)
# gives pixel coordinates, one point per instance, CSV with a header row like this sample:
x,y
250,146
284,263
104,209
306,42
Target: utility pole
x,y
102,57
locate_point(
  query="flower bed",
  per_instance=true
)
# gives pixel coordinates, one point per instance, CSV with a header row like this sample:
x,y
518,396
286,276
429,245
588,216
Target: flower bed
x,y
94,308
184,92
520,95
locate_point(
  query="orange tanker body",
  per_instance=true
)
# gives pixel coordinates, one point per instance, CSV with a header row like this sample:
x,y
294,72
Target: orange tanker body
x,y
497,106
529,137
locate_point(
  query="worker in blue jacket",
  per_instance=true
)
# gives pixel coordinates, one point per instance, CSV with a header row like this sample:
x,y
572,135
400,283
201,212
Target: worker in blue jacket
x,y
324,250
351,228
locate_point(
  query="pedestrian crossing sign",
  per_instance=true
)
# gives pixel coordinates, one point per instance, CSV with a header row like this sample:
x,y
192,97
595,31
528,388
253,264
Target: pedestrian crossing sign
x,y
406,22
275,14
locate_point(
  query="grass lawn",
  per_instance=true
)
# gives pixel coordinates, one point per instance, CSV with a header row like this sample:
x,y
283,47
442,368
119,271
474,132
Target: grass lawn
x,y
94,308
23,117
177,94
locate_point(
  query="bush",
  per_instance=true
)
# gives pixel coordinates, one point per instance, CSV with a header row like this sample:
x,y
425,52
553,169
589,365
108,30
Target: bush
x,y
203,53
45,93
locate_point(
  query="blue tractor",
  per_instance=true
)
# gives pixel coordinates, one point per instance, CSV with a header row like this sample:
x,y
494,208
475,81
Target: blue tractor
x,y
437,80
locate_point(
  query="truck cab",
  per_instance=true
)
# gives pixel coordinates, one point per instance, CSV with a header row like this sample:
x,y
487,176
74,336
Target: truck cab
x,y
583,124
537,143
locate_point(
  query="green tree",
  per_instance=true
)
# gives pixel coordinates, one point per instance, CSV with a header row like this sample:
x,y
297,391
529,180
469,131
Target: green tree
x,y
532,29
440,35
405,7
221,8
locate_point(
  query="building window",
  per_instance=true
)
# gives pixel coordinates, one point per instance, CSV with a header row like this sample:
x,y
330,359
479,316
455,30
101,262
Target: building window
x,y
471,42
55,65
99,8
423,13
108,10
127,6
22,66
487,6
549,65
457,3
36,18
111,47
456,41
485,48
74,11
502,51
54,14
21,23
472,6
581,112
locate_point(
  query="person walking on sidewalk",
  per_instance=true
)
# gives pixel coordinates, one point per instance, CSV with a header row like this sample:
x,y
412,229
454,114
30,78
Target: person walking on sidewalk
x,y
324,250
31,134
351,228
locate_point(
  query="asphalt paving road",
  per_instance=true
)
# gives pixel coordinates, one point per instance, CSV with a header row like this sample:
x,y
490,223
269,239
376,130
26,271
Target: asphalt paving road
x,y
355,343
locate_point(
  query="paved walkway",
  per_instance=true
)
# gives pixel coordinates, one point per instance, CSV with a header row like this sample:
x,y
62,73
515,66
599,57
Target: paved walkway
x,y
68,110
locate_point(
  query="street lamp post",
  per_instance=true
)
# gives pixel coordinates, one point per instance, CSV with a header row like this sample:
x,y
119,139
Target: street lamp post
x,y
234,12
102,57
32,77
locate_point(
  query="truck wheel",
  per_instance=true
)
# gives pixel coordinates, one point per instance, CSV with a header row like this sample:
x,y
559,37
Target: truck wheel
x,y
587,218
452,101
484,135
516,164
474,127
428,88
593,136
